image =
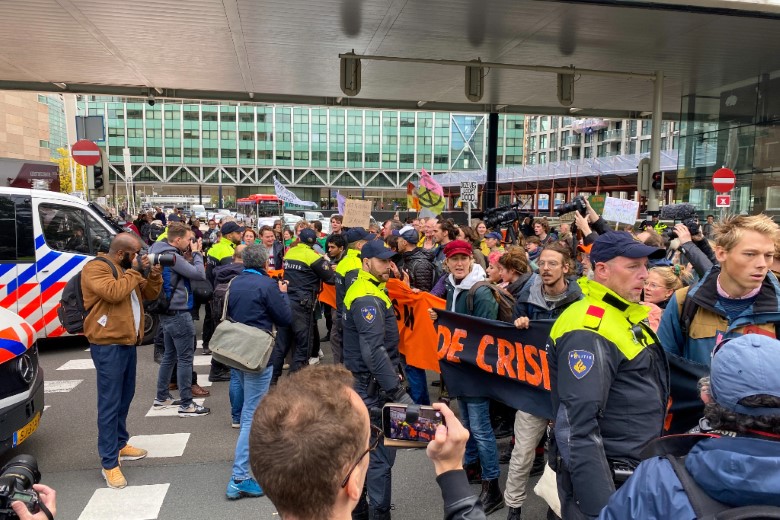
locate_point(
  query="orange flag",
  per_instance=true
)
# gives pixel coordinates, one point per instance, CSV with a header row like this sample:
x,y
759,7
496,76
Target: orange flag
x,y
418,337
275,272
328,295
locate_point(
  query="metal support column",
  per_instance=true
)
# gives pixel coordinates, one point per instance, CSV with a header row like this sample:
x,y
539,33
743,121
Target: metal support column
x,y
655,140
492,173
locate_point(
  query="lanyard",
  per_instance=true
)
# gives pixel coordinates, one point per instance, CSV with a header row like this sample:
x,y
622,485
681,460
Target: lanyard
x,y
255,271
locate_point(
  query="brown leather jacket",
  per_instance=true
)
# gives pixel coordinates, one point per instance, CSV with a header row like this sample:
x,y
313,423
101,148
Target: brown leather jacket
x,y
107,296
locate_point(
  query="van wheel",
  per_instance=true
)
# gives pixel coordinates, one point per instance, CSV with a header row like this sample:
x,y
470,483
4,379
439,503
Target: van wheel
x,y
151,324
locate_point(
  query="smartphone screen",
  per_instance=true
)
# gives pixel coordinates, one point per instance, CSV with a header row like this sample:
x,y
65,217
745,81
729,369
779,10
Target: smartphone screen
x,y
399,430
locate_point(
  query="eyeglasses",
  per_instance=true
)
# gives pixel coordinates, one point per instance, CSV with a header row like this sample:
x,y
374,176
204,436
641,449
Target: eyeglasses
x,y
378,435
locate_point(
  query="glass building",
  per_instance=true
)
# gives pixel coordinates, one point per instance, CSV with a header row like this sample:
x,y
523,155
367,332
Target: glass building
x,y
737,127
315,151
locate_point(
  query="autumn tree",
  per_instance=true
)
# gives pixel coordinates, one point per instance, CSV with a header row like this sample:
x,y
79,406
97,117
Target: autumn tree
x,y
65,164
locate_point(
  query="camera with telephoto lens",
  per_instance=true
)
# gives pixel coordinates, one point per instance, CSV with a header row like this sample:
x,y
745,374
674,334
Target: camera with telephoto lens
x,y
496,218
693,227
577,204
163,259
207,243
16,480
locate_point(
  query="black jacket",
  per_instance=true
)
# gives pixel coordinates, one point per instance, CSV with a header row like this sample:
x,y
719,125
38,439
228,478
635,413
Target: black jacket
x,y
418,264
459,502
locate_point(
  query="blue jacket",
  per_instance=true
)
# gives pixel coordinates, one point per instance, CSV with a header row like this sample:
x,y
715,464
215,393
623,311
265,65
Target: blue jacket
x,y
255,300
736,471
710,320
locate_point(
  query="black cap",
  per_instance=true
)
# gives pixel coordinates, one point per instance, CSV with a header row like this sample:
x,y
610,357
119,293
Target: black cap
x,y
358,233
376,249
307,236
231,227
621,243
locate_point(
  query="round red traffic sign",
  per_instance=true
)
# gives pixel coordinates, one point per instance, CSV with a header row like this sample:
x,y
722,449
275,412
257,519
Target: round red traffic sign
x,y
724,180
86,153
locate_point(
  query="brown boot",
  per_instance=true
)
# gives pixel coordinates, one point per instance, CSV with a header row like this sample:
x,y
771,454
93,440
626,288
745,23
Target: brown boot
x,y
173,386
199,391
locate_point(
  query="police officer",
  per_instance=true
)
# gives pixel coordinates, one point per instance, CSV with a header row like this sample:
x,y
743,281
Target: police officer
x,y
345,273
610,378
304,269
371,354
220,253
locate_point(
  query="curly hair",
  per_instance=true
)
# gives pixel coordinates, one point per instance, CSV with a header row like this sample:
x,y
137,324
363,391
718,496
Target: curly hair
x,y
722,418
515,259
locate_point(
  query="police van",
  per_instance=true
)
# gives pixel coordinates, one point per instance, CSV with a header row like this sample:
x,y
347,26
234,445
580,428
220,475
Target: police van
x,y
21,381
46,238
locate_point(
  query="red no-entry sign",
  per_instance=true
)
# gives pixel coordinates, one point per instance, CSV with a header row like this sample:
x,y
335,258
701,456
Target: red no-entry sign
x,y
86,153
724,180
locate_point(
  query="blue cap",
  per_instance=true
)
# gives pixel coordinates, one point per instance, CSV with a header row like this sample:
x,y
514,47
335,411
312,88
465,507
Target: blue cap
x,y
358,233
408,233
307,236
743,367
494,234
621,243
376,249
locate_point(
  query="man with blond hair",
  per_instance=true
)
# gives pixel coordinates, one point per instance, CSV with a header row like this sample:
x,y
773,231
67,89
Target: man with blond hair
x,y
738,296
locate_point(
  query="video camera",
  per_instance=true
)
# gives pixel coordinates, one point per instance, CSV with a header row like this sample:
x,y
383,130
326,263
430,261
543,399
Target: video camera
x,y
16,480
577,204
496,218
684,212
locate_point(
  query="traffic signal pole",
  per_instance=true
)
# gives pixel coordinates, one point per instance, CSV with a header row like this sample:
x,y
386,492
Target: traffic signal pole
x,y
655,140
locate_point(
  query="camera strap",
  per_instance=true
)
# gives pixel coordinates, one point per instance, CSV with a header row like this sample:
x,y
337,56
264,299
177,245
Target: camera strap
x,y
45,510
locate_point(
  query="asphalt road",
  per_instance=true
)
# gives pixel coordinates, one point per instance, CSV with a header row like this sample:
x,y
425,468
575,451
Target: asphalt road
x,y
189,477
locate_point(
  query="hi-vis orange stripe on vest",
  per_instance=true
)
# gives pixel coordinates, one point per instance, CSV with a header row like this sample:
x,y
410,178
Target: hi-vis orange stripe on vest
x,y
418,337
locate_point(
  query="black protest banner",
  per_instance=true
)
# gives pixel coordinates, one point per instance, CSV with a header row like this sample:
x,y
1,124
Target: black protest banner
x,y
687,407
485,358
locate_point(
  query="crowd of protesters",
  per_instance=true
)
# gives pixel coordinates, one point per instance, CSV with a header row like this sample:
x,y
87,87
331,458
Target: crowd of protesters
x,y
624,303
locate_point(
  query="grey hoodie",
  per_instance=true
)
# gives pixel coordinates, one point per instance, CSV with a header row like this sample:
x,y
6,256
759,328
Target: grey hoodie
x,y
181,300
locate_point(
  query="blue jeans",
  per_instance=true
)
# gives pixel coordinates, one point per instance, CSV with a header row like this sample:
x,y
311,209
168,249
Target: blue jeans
x,y
255,386
236,393
418,385
179,334
115,367
475,416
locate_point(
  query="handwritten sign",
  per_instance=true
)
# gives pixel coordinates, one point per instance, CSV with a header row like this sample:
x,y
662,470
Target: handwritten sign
x,y
597,203
620,210
357,213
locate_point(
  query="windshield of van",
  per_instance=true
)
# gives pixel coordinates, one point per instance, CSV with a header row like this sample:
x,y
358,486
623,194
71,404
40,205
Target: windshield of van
x,y
104,214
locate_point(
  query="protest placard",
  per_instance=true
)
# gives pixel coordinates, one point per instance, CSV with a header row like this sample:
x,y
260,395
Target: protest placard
x,y
357,213
624,211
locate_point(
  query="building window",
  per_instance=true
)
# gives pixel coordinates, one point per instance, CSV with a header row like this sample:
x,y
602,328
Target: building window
x,y
43,144
644,146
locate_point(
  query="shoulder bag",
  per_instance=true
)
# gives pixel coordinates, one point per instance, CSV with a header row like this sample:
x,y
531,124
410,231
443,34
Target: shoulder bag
x,y
240,346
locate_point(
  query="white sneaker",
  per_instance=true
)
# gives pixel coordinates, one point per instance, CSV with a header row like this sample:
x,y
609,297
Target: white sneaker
x,y
286,366
321,354
314,361
193,410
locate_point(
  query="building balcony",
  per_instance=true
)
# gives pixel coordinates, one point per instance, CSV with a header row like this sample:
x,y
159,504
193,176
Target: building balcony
x,y
612,135
572,141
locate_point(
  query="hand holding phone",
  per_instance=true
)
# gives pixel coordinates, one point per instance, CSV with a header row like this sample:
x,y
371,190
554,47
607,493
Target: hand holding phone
x,y
447,448
410,430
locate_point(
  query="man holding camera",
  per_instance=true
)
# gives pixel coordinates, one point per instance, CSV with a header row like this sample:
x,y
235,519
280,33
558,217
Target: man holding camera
x,y
178,328
371,354
114,327
332,460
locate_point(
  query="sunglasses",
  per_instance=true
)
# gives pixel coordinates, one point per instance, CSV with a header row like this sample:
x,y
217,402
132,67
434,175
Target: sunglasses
x,y
377,435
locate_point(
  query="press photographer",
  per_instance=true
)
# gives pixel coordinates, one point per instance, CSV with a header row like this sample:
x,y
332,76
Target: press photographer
x,y
21,494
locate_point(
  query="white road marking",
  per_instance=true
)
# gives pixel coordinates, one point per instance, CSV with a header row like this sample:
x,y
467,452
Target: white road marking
x,y
78,364
50,387
130,503
161,446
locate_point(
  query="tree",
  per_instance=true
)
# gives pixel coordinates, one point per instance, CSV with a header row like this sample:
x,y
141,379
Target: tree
x,y
66,163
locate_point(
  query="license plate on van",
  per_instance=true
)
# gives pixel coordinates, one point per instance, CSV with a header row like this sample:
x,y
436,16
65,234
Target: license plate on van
x,y
22,433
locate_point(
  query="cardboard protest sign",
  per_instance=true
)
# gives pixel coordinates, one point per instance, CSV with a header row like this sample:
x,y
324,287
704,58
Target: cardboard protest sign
x,y
357,213
620,210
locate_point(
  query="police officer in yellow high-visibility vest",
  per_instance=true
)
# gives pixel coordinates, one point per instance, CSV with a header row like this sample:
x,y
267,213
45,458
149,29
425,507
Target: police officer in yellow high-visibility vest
x,y
610,378
371,354
345,273
304,269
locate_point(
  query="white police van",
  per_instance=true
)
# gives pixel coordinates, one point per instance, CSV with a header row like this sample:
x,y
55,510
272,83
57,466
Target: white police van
x,y
46,238
21,381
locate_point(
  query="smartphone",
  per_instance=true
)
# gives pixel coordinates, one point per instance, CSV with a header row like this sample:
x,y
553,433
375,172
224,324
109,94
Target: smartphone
x,y
402,430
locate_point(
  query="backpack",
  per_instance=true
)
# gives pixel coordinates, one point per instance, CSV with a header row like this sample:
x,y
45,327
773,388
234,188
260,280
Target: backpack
x,y
674,449
218,301
506,302
163,301
71,311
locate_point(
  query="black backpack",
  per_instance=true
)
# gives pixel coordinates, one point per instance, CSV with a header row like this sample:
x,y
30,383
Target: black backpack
x,y
163,301
675,448
506,302
71,311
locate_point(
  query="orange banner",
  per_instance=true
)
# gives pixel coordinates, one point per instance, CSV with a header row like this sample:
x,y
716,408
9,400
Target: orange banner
x,y
275,272
418,337
328,295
